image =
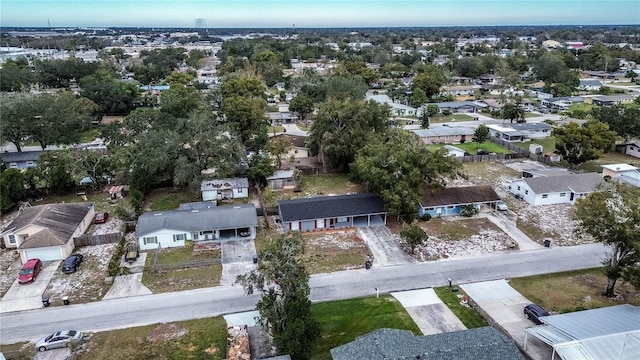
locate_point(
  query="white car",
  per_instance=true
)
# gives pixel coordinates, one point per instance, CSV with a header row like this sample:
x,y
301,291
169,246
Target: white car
x,y
502,206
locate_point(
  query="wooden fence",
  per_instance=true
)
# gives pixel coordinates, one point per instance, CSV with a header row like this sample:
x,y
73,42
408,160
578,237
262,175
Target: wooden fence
x,y
86,240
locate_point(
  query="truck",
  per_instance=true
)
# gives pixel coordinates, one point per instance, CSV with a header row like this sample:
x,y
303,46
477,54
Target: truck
x,y
131,251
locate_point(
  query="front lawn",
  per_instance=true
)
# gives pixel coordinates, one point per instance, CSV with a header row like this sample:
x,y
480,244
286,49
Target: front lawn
x,y
167,199
334,251
343,321
548,144
472,148
89,135
174,275
467,315
440,118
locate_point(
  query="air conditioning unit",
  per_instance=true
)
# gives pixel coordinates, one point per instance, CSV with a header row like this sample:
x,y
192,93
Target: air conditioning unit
x,y
535,148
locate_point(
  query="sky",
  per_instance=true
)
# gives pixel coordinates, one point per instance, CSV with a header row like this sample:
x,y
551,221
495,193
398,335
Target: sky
x,y
311,13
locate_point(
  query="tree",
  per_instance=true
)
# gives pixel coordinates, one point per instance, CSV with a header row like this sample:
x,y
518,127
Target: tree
x,y
428,82
424,120
632,75
418,97
243,107
56,170
414,236
11,188
611,215
397,166
481,134
580,143
279,147
432,109
15,75
623,120
260,166
284,306
112,96
513,112
302,105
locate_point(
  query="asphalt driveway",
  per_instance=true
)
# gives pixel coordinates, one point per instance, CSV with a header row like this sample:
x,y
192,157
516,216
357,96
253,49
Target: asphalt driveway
x,y
29,296
383,246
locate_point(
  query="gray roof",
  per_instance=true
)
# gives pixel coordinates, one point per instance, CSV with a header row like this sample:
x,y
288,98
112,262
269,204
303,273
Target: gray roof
x,y
59,221
444,131
455,104
218,218
537,126
577,183
612,97
590,82
202,205
485,343
281,174
224,184
8,157
330,206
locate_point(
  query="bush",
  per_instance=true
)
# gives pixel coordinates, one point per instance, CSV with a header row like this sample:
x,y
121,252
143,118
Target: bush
x,y
114,263
188,244
135,199
426,217
469,210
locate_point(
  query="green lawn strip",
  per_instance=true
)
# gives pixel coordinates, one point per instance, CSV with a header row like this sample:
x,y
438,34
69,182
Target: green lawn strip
x,y
327,184
573,290
275,129
472,147
171,201
467,315
200,339
180,279
89,135
343,321
18,351
548,144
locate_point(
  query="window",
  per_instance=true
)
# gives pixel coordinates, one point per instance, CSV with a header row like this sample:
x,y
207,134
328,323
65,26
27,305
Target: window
x,y
179,237
12,239
13,165
342,219
150,240
195,236
544,196
451,207
30,163
430,209
526,192
563,194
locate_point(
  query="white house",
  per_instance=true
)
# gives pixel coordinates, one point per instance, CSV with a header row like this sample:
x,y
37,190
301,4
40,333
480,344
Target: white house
x,y
590,84
196,222
224,189
397,109
555,189
632,149
47,232
622,172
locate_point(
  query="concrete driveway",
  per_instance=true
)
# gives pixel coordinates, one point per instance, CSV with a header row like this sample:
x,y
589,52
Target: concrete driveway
x,y
503,306
506,221
129,285
383,246
29,296
237,259
429,312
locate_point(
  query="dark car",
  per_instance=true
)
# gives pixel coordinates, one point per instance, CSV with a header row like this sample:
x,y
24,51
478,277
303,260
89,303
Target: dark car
x,y
101,218
533,312
482,152
72,263
29,271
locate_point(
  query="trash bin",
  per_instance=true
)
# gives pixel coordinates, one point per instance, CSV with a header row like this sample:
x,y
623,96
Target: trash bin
x,y
65,300
45,301
367,264
547,243
255,259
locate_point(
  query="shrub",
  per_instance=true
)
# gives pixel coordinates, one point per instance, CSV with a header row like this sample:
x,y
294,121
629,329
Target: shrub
x,y
469,210
188,244
114,263
426,217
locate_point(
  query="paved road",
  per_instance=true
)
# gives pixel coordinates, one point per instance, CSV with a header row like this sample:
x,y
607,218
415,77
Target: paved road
x,y
201,303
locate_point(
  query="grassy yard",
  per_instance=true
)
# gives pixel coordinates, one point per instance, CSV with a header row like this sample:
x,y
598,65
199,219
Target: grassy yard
x,y
488,172
343,321
611,157
581,106
456,230
472,148
167,199
181,279
194,339
449,118
89,135
573,290
467,315
334,251
304,125
548,144
275,129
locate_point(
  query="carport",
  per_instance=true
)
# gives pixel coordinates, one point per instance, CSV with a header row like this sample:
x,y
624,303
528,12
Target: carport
x,y
369,220
611,333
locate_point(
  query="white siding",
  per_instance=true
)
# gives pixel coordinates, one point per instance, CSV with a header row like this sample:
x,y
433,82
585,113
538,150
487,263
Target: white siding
x,y
45,254
552,198
209,195
165,239
240,193
633,150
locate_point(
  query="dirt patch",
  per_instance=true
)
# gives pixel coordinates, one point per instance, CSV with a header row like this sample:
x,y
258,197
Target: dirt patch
x,y
334,251
9,267
165,332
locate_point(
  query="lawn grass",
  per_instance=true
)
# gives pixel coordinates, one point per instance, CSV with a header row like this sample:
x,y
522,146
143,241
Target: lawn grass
x,y
330,251
488,172
548,144
581,106
18,351
534,232
472,148
611,157
456,230
275,129
343,321
304,125
89,135
328,184
165,199
193,339
467,315
573,290
449,118
181,279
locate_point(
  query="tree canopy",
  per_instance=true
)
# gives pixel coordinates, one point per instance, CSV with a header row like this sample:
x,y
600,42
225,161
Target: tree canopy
x,y
580,143
623,120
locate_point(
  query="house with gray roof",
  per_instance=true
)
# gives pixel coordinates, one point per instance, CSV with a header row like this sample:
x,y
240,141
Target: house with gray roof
x,y
612,100
484,343
450,201
560,103
332,212
590,84
196,222
21,160
224,189
397,109
47,232
560,189
445,134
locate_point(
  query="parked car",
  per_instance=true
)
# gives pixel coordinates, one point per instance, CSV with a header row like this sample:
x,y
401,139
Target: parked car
x,y
482,152
533,312
244,232
502,206
58,339
29,271
72,263
101,218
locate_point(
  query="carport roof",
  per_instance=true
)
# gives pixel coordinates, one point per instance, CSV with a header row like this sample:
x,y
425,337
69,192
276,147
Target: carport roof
x,y
599,334
330,206
460,196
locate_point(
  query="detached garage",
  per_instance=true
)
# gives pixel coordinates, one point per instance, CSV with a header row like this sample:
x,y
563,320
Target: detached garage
x,y
47,232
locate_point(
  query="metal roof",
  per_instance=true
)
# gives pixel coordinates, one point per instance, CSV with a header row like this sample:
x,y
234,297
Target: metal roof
x,y
599,334
444,131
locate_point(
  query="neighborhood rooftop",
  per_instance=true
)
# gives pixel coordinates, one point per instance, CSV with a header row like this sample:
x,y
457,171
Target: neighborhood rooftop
x,y
577,183
460,196
330,206
444,131
9,157
222,184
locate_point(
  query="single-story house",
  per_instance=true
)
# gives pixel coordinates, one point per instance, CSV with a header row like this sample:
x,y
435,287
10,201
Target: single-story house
x,y
47,232
332,212
458,106
454,151
590,85
611,100
196,222
555,189
505,132
458,90
224,189
21,160
445,134
631,149
560,103
489,79
451,200
298,146
622,172
461,80
483,343
538,130
397,109
281,180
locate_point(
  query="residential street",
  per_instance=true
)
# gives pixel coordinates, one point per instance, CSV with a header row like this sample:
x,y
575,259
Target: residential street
x,y
201,303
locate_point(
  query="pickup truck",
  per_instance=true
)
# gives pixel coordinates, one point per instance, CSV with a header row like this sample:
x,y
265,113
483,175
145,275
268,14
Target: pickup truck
x,y
131,252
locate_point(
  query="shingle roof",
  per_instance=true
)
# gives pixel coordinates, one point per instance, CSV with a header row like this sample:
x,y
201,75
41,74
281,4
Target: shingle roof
x,y
296,140
330,206
538,126
485,343
219,217
578,183
444,131
224,184
460,196
59,222
21,156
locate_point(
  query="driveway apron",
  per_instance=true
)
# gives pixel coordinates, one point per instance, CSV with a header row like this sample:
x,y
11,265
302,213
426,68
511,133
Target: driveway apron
x,y
428,312
237,259
383,246
29,296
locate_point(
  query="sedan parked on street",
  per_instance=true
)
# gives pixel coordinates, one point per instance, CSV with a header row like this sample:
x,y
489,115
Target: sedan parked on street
x,y
58,339
72,263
